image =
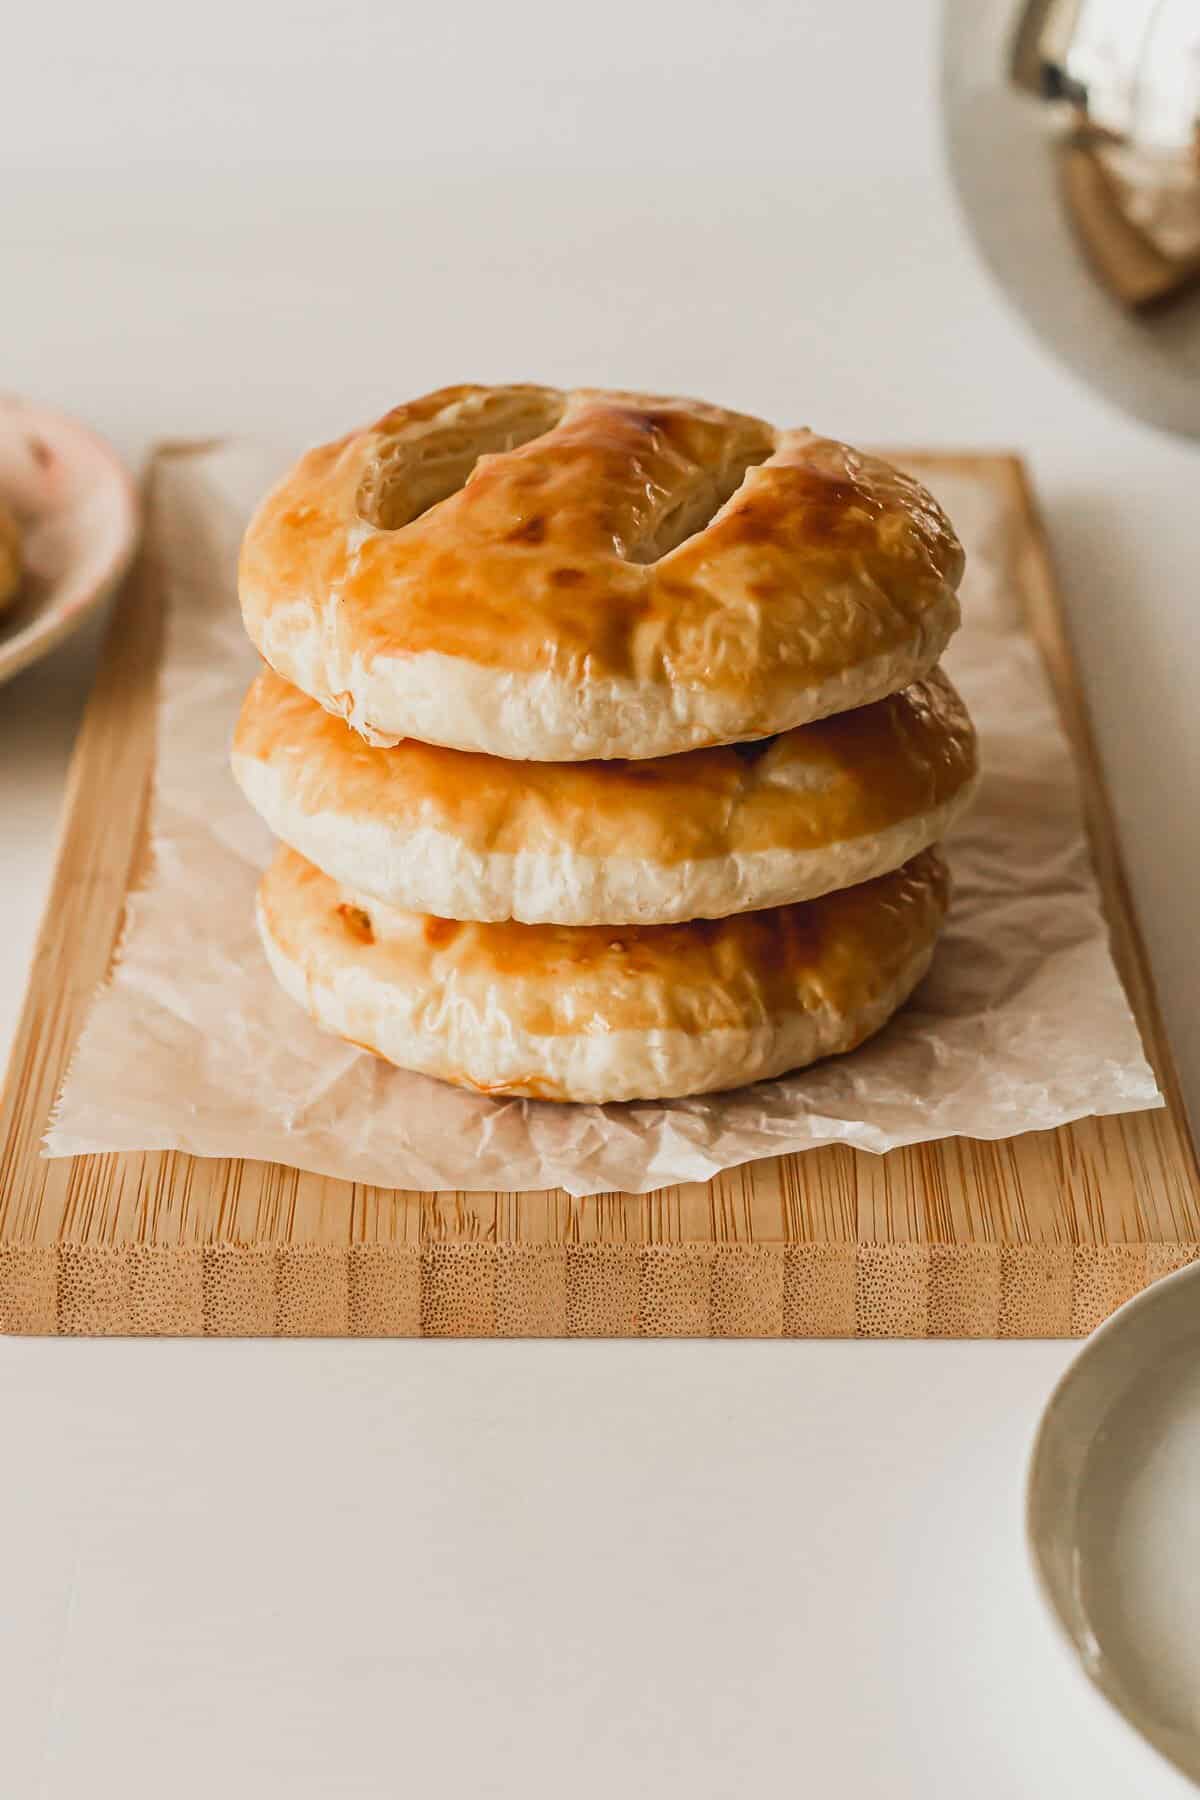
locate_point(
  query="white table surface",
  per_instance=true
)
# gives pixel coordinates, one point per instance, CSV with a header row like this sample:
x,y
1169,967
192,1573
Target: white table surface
x,y
338,1569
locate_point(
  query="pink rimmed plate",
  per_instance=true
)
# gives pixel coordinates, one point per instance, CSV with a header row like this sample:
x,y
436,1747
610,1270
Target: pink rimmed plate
x,y
78,512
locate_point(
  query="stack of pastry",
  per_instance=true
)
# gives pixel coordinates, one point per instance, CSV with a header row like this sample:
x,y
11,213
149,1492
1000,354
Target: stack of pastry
x,y
605,740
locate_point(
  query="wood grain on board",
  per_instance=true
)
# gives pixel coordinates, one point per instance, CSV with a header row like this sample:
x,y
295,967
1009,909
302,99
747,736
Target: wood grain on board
x,y
1038,1236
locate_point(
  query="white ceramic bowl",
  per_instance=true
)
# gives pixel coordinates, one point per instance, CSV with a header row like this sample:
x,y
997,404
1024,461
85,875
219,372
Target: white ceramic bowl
x,y
1114,1516
79,514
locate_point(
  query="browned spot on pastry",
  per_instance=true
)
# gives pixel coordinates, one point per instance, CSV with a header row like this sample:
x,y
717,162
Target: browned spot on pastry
x,y
531,531
567,577
440,932
651,422
747,527
357,923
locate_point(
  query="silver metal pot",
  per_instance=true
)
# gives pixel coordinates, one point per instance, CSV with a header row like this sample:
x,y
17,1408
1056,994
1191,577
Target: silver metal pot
x,y
1073,131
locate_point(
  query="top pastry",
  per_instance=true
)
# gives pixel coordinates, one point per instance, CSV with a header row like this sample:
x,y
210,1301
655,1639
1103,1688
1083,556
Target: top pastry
x,y
552,576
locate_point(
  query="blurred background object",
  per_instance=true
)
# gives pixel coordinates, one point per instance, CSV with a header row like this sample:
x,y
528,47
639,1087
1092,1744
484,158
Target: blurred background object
x,y
1074,142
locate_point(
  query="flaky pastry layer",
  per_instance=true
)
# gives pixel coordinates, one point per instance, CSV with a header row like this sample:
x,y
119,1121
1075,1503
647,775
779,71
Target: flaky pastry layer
x,y
600,1013
699,835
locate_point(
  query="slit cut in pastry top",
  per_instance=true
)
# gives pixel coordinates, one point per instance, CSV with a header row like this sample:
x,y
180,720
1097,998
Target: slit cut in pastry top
x,y
695,509
411,473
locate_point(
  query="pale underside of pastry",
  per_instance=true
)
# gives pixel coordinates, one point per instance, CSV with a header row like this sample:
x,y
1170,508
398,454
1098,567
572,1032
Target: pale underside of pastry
x,y
10,558
699,835
554,576
601,1013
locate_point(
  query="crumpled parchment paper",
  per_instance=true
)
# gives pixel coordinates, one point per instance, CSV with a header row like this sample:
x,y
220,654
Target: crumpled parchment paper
x,y
1022,1023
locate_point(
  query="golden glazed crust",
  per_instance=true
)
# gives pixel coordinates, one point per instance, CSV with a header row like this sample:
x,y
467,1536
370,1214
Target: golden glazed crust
x,y
702,834
558,576
600,1013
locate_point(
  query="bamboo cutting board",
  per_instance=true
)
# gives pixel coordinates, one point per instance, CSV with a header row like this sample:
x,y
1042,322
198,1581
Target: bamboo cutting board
x,y
1039,1236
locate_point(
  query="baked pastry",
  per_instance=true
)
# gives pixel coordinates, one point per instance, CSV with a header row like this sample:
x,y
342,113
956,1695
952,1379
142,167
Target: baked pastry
x,y
555,576
699,835
10,558
600,1013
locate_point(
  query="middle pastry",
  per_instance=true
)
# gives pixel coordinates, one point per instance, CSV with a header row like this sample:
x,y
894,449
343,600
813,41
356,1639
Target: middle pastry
x,y
698,835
